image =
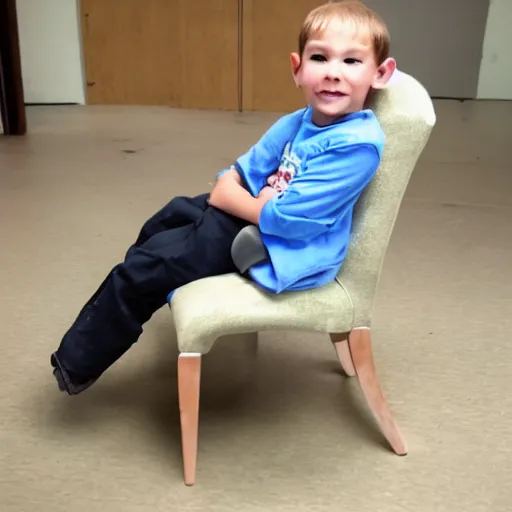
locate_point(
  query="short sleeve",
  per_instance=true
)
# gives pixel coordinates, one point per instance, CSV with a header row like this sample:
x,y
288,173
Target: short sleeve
x,y
264,157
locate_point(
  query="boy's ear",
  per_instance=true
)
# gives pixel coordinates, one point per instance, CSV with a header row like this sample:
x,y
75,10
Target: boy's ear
x,y
384,73
295,63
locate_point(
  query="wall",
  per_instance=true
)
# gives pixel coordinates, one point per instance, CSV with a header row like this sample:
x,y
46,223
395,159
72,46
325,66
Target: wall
x,y
437,41
51,59
52,62
496,69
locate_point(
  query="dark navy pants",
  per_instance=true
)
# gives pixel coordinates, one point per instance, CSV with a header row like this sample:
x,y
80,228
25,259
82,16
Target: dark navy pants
x,y
185,241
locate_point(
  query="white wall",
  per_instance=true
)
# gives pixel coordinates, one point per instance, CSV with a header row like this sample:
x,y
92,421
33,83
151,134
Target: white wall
x,y
496,69
51,60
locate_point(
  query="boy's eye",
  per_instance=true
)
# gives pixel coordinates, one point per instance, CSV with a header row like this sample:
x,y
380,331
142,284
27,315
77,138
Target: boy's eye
x,y
352,61
317,57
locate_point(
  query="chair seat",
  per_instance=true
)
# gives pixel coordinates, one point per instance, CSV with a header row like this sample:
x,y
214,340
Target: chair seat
x,y
207,309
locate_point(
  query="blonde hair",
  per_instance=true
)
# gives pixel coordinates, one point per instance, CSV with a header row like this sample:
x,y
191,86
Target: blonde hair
x,y
353,12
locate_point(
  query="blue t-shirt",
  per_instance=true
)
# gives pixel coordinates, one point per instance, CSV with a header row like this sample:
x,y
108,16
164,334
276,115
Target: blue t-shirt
x,y
320,172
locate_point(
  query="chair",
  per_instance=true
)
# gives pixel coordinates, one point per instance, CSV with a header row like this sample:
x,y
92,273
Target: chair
x,y
209,308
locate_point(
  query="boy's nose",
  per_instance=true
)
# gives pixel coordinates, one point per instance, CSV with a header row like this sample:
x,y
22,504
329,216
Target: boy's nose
x,y
333,71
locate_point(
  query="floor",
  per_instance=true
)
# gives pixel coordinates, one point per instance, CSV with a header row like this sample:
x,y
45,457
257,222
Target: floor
x,y
281,430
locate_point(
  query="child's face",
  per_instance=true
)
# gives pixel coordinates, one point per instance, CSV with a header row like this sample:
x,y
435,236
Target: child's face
x,y
337,70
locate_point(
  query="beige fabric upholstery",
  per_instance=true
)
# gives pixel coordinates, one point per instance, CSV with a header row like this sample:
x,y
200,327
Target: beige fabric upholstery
x,y
407,117
209,308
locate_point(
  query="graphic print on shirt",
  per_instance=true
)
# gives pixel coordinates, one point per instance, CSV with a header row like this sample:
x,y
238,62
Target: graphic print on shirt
x,y
289,167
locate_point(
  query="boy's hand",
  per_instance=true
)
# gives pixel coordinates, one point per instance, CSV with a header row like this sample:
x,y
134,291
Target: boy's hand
x,y
267,193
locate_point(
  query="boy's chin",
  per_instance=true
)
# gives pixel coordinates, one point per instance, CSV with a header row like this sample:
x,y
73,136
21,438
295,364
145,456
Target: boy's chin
x,y
323,116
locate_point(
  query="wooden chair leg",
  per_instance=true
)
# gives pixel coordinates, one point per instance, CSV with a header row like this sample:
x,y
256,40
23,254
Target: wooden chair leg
x,y
340,342
189,379
359,343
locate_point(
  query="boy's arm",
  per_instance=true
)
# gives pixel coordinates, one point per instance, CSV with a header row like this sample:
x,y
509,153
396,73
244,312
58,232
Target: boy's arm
x,y
264,157
230,196
246,200
316,198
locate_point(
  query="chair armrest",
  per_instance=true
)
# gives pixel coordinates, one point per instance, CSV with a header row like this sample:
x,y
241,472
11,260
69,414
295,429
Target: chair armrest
x,y
248,249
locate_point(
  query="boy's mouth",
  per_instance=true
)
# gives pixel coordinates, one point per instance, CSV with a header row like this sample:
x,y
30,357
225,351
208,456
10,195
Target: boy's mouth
x,y
331,95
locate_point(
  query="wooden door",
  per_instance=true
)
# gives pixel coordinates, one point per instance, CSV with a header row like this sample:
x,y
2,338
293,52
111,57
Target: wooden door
x,y
180,53
270,33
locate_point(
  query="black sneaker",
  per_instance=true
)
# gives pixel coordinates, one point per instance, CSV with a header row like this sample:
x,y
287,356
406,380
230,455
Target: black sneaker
x,y
71,384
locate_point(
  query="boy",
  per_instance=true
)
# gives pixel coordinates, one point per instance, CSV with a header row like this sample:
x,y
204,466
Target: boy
x,y
325,155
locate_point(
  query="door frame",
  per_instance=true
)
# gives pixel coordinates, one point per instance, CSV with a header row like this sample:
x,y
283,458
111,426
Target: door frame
x,y
12,104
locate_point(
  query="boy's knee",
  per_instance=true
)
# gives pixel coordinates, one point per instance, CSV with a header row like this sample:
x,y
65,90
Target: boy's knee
x,y
147,275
